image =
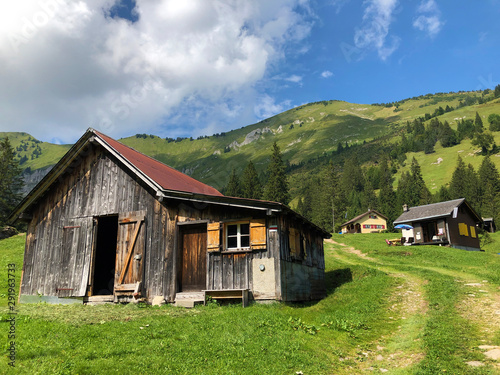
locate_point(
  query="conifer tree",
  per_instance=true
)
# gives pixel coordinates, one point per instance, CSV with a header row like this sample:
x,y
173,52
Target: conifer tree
x,y
404,195
497,91
489,184
465,184
387,196
478,124
457,183
421,192
10,180
327,199
276,188
442,195
370,200
411,187
250,183
446,135
352,176
233,188
488,173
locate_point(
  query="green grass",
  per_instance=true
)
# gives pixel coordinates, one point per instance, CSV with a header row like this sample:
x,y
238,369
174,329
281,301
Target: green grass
x,y
276,338
448,338
395,308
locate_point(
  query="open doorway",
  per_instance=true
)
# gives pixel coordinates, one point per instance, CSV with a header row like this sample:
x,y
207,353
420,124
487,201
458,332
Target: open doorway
x,y
105,255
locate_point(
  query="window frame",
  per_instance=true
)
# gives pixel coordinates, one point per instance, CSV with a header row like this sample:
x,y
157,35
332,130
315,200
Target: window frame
x,y
238,236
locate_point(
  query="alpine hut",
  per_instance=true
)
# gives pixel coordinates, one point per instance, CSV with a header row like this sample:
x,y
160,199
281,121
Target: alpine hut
x,y
110,224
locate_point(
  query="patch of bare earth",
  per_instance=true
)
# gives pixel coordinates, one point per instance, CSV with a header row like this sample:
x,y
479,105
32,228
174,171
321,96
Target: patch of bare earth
x,y
351,250
403,348
481,306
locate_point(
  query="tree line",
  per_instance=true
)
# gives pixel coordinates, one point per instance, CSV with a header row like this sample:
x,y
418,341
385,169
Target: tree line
x,y
11,181
249,185
341,191
337,195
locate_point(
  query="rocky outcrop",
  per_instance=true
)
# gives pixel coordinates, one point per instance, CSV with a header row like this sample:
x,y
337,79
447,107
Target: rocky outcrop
x,y
33,178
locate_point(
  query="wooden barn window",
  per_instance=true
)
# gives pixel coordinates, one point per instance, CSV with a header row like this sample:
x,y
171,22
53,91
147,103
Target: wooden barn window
x,y
238,236
294,239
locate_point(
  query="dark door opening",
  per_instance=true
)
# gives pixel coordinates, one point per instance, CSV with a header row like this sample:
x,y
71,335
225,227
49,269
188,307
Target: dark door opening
x,y
105,256
431,231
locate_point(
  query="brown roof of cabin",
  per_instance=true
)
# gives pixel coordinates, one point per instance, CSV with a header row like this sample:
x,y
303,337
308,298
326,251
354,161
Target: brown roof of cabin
x,y
360,216
167,177
430,211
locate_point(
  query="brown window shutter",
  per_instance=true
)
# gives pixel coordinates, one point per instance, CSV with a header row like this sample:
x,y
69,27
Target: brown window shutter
x,y
258,234
292,242
213,236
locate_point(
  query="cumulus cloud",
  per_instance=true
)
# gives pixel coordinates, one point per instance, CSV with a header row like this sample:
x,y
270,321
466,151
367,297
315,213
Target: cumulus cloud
x,y
191,64
326,74
374,32
429,19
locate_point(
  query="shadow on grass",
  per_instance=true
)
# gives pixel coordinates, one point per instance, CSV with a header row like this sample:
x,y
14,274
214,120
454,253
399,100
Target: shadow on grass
x,y
333,279
336,278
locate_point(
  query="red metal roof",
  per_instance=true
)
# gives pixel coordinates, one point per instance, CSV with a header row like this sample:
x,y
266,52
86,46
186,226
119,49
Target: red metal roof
x,y
167,177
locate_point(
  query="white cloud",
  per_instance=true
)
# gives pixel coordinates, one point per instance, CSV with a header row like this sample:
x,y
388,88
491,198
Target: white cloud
x,y
326,74
294,78
339,4
267,107
374,32
429,19
67,65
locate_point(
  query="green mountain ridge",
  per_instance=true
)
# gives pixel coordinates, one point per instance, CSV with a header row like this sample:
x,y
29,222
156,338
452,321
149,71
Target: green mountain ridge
x,y
308,136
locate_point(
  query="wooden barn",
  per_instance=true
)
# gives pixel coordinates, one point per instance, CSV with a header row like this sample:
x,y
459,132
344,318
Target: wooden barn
x,y
109,224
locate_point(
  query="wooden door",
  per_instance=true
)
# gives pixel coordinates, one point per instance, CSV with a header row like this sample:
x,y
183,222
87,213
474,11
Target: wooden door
x,y
130,251
74,262
194,258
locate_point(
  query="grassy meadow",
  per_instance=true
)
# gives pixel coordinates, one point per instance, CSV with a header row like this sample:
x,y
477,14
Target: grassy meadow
x,y
397,310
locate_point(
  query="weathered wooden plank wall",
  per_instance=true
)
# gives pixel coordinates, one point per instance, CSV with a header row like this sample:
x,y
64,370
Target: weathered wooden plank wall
x,y
94,185
301,279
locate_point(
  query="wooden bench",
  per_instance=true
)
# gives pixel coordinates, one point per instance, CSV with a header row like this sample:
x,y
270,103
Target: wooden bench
x,y
228,294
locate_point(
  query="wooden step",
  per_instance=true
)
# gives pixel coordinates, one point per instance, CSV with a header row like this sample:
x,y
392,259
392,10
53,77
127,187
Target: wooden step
x,y
189,299
98,300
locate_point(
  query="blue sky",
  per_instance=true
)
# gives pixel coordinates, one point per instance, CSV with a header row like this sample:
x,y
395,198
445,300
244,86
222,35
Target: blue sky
x,y
196,67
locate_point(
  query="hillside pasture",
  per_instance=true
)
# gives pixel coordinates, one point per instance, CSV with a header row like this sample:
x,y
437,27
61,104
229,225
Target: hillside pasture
x,y
402,310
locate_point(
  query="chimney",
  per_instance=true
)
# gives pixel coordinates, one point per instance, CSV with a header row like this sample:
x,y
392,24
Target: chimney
x,y
405,208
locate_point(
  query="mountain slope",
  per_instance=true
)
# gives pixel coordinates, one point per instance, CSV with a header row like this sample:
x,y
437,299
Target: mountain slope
x,y
307,135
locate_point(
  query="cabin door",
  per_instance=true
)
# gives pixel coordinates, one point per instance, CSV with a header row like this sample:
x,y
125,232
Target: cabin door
x,y
130,246
193,270
74,262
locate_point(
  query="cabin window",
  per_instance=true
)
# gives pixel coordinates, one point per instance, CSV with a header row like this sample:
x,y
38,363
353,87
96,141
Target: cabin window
x,y
463,229
373,216
373,226
297,244
238,236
